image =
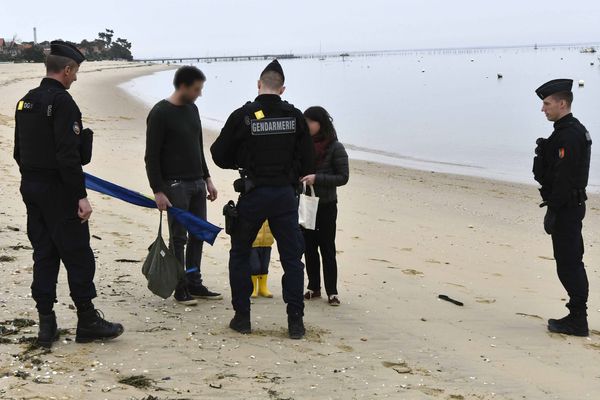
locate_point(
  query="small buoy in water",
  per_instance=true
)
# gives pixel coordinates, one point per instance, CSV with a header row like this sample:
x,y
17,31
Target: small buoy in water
x,y
581,83
472,60
591,63
500,76
423,70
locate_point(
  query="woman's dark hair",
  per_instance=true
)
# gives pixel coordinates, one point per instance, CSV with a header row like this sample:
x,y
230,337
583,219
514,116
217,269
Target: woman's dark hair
x,y
320,115
187,75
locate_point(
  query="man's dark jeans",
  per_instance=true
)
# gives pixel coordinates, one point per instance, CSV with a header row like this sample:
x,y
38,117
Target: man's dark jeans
x,y
190,196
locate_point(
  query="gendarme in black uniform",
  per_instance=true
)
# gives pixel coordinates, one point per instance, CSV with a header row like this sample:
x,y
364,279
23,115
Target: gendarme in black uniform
x,y
268,140
50,148
561,166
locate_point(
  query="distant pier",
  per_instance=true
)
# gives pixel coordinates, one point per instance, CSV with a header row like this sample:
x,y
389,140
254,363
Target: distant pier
x,y
343,55
215,59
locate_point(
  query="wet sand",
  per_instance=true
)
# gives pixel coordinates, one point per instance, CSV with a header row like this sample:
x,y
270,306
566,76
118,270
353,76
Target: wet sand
x,y
404,237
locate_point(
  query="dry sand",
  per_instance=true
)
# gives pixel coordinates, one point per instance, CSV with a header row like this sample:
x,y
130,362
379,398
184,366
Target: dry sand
x,y
404,237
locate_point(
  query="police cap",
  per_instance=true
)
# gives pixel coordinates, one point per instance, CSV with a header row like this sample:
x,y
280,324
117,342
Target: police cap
x,y
64,49
275,67
554,86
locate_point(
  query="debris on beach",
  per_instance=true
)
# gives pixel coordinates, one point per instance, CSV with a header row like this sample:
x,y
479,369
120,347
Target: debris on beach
x,y
5,258
450,300
137,381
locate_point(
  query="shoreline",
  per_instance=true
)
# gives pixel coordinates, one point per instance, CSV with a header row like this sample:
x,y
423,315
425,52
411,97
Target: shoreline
x,y
404,237
213,125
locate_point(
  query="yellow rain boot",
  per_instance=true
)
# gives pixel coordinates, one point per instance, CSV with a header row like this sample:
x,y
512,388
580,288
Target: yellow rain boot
x,y
255,279
263,290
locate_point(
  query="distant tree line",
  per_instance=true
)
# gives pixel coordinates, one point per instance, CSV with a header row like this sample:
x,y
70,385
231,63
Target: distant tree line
x,y
105,47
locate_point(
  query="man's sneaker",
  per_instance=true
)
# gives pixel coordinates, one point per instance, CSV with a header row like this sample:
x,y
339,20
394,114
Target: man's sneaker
x,y
92,326
574,325
241,323
48,331
296,328
312,294
333,301
182,295
202,292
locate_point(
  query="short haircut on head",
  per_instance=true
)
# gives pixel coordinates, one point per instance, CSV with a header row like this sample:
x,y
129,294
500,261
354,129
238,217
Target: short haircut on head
x,y
187,75
55,64
566,96
272,80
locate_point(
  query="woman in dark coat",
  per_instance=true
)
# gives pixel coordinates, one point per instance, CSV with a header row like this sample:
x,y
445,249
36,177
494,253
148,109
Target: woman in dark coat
x,y
332,171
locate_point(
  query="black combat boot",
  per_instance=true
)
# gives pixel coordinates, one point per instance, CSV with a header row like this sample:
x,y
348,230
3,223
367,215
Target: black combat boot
x,y
241,323
296,328
574,324
92,326
48,331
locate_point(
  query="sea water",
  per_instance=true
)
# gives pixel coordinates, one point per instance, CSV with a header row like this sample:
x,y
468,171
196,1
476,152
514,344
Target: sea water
x,y
438,110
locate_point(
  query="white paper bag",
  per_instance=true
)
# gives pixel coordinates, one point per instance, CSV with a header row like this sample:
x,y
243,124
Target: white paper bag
x,y
307,212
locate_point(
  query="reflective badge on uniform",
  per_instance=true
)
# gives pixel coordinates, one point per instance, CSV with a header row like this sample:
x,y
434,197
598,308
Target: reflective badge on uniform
x,y
25,106
76,128
561,152
273,126
259,114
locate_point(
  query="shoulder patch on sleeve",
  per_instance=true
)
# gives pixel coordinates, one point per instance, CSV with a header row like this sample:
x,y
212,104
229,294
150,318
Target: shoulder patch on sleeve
x,y
561,152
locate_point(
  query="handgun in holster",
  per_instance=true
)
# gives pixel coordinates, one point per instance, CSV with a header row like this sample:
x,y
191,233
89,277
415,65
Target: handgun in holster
x,y
231,216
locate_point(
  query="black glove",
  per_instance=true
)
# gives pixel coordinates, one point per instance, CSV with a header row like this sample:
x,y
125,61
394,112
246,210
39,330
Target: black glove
x,y
550,221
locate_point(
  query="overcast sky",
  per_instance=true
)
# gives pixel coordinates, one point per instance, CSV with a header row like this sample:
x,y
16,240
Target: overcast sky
x,y
202,27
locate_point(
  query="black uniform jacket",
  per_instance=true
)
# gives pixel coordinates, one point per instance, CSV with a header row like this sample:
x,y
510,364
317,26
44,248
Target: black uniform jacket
x,y
566,163
49,137
264,136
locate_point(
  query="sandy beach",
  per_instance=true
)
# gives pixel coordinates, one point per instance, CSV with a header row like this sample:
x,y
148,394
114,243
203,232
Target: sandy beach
x,y
404,237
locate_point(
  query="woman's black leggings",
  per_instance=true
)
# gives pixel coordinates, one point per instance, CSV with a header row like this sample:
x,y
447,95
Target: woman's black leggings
x,y
322,240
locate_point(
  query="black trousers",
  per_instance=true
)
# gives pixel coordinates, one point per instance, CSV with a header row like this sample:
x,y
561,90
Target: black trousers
x,y
567,242
57,234
322,240
280,206
189,196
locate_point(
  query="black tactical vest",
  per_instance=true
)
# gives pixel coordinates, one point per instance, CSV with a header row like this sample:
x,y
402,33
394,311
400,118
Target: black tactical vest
x,y
35,131
268,151
548,153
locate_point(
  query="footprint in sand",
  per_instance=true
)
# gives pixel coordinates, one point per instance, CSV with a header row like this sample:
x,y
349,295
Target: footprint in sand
x,y
431,391
593,346
345,347
399,367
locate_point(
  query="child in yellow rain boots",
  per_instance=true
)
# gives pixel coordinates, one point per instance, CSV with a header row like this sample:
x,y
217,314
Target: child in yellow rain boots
x,y
259,261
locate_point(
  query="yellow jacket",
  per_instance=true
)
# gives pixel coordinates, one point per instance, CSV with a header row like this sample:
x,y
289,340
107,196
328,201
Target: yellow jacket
x,y
264,237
